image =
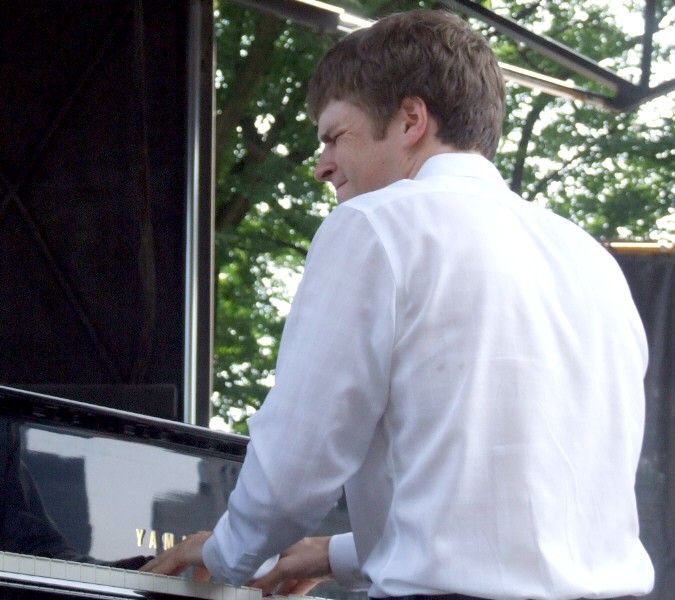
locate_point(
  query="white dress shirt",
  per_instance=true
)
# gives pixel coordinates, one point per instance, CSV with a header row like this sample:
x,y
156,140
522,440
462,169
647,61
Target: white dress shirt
x,y
470,368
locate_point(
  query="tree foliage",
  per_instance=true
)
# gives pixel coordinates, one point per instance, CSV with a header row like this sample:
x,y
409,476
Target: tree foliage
x,y
611,173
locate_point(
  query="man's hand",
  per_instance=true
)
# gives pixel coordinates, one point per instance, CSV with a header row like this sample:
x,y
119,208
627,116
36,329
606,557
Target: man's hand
x,y
179,558
300,568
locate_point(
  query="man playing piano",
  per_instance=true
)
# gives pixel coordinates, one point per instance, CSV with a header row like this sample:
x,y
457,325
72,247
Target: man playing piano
x,y
466,365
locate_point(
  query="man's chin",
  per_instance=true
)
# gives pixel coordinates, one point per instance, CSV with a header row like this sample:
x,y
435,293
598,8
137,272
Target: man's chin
x,y
342,194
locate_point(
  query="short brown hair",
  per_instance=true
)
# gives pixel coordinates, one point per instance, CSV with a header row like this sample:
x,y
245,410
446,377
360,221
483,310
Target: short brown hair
x,y
429,54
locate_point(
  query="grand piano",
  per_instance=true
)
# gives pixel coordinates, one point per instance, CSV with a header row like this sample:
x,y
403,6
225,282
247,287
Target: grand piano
x,y
91,493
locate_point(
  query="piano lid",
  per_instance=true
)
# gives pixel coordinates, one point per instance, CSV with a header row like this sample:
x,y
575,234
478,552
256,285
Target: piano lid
x,y
101,486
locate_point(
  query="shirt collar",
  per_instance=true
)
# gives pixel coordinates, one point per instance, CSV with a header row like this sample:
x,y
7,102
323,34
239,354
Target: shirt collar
x,y
460,164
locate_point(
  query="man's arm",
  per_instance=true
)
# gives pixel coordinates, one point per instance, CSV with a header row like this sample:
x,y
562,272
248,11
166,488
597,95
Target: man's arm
x,y
317,422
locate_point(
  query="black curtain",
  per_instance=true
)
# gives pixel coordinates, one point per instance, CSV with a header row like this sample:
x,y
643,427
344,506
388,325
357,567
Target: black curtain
x,y
93,138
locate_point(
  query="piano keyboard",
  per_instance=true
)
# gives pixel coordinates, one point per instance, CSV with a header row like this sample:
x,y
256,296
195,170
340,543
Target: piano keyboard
x,y
52,572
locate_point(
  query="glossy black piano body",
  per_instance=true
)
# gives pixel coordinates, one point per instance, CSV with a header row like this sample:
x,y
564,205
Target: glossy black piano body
x,y
96,485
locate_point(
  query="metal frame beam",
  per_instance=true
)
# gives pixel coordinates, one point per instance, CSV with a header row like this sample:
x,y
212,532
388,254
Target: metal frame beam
x,y
628,95
199,240
545,46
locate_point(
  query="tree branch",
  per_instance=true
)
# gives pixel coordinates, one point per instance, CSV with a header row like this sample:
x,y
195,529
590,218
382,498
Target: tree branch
x,y
246,74
538,106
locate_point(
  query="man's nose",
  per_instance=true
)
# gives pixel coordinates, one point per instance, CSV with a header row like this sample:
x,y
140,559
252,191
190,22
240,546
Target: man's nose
x,y
324,168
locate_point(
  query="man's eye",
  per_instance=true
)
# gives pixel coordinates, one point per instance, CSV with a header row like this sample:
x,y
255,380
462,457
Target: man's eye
x,y
330,140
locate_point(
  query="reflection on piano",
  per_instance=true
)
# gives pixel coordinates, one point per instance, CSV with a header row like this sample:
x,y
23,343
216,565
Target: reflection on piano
x,y
90,493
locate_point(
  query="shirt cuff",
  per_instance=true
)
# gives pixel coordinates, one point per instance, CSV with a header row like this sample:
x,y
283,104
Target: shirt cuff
x,y
344,563
214,561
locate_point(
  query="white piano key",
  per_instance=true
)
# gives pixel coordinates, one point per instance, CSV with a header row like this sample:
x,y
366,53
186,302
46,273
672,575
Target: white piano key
x,y
88,573
180,587
229,592
102,575
145,581
241,594
131,580
198,589
11,562
247,593
217,591
42,566
117,577
57,568
210,590
27,565
160,583
73,571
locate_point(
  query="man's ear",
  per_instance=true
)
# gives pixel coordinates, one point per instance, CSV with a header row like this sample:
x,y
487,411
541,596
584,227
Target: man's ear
x,y
415,118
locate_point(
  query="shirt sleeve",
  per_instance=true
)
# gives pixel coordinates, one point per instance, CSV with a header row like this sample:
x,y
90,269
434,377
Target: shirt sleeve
x,y
331,389
344,563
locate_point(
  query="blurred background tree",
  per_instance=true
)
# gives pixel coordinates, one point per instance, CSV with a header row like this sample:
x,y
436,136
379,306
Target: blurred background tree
x,y
613,174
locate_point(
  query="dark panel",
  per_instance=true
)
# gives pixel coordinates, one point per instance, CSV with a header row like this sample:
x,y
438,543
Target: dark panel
x,y
652,281
92,186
